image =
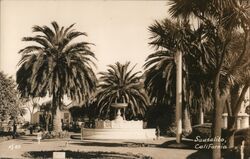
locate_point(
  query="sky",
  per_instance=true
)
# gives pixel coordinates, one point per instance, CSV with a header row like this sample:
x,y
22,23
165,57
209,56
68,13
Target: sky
x,y
119,29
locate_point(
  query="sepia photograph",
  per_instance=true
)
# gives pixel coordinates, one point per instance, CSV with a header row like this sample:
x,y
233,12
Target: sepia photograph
x,y
125,79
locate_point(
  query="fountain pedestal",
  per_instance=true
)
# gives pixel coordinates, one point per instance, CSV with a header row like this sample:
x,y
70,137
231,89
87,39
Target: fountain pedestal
x,y
119,106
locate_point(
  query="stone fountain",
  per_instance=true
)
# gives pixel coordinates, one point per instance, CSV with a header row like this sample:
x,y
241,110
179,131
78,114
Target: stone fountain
x,y
118,128
119,106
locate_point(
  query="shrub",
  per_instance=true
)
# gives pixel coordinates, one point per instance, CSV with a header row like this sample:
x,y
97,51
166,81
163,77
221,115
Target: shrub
x,y
4,136
247,144
204,131
239,136
55,135
3,133
171,131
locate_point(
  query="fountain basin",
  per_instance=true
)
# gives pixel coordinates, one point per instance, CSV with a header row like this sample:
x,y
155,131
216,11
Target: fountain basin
x,y
120,134
117,129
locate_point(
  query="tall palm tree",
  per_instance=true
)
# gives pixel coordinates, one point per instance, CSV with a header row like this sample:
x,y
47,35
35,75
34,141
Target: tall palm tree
x,y
57,66
121,84
221,19
168,37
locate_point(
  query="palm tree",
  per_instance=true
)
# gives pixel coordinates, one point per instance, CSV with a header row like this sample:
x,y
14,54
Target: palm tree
x,y
121,84
220,19
56,66
167,38
238,88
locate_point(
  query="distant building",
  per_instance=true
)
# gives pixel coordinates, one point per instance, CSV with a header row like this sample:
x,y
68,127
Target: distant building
x,y
243,116
39,116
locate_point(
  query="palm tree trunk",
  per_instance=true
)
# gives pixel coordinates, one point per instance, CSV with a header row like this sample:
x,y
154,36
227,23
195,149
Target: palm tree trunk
x,y
219,102
231,124
187,127
57,124
231,131
201,115
236,103
216,152
14,128
124,113
47,122
47,127
31,118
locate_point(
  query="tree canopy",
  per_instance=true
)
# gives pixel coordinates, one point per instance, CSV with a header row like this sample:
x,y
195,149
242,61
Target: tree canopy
x,y
218,21
56,65
119,84
10,106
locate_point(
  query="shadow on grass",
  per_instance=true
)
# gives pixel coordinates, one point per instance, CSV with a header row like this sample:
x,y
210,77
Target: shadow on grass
x,y
189,145
98,144
200,154
75,136
27,138
82,154
136,144
207,154
23,139
185,144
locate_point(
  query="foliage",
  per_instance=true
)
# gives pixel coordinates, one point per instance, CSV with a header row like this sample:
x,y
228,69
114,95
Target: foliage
x,y
77,112
218,22
4,136
222,46
55,135
10,101
159,115
3,133
46,108
31,104
247,144
204,131
121,84
57,66
168,37
8,95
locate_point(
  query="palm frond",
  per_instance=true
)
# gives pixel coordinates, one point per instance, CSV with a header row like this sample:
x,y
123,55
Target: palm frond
x,y
121,84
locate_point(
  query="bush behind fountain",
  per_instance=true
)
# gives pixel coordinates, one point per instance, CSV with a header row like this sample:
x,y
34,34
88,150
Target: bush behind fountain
x,y
55,135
